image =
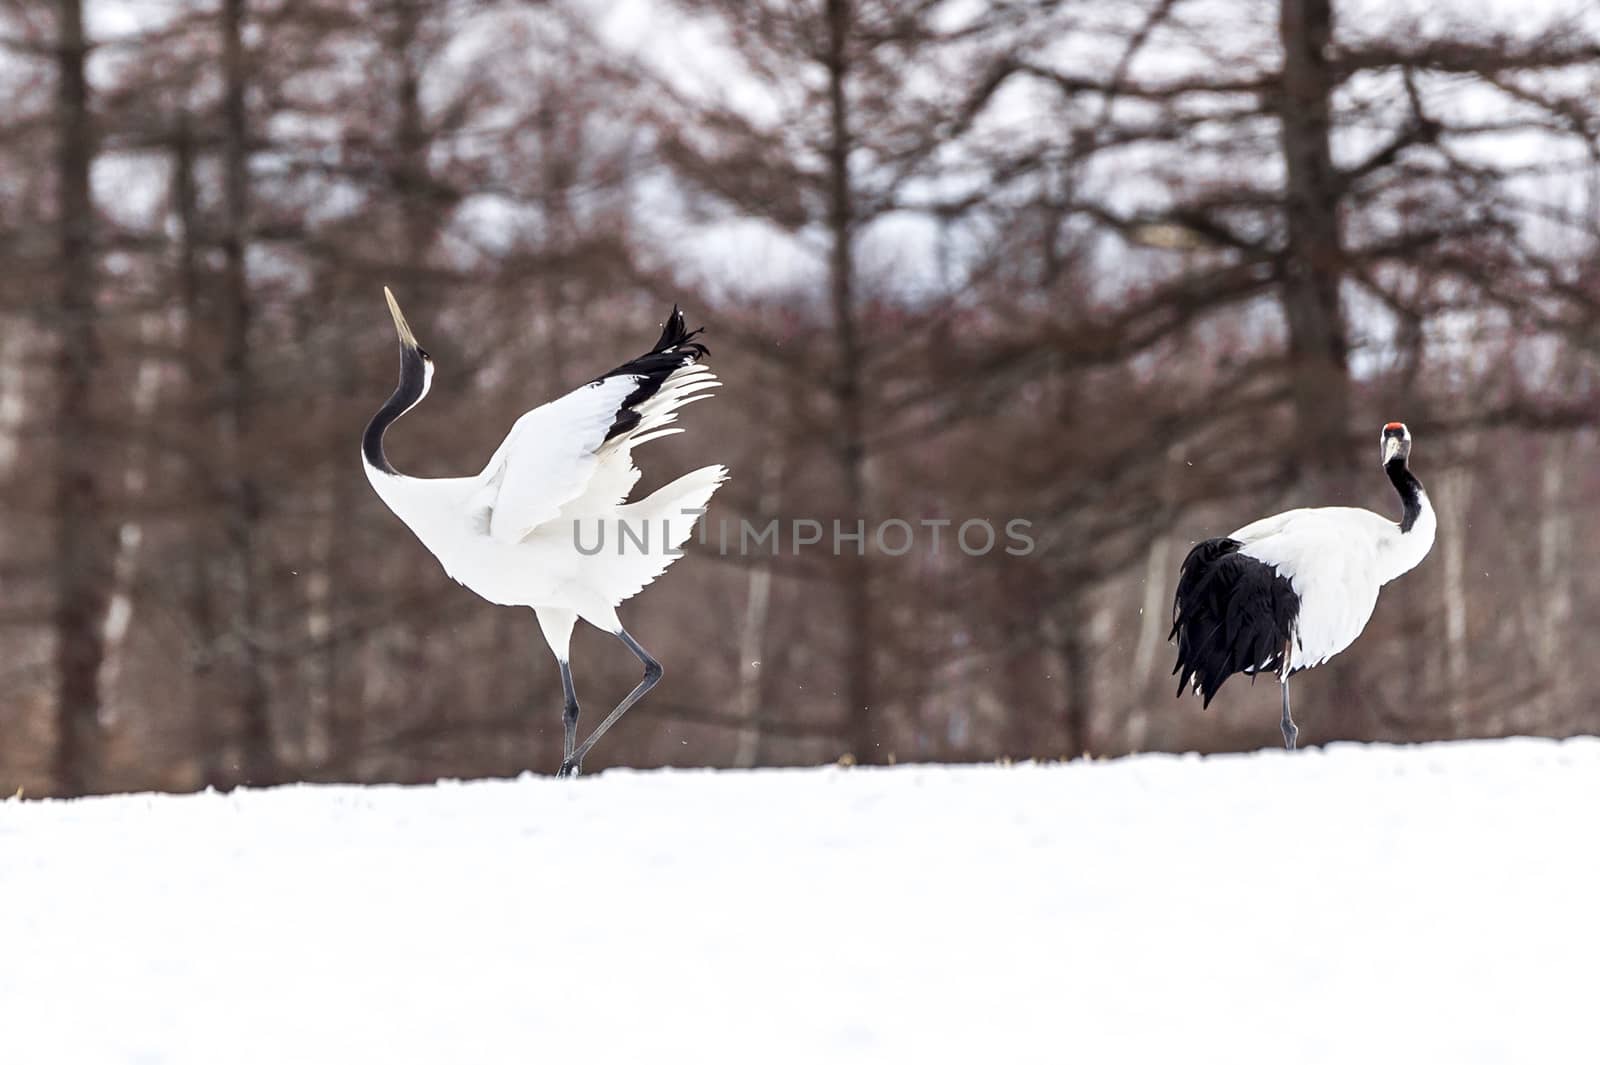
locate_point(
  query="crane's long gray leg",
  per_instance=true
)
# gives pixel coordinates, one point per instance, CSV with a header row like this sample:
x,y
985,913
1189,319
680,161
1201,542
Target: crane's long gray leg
x,y
569,712
652,674
1287,724
557,626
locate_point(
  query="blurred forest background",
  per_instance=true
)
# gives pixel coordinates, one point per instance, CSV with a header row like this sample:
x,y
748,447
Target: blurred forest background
x,y
1136,271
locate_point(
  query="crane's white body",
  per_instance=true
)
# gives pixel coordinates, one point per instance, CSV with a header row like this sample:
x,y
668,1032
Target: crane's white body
x,y
1336,559
1290,591
544,524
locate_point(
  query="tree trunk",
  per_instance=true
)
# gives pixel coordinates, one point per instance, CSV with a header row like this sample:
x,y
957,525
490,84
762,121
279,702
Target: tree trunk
x,y
210,732
1555,592
751,748
1066,633
1077,656
121,595
1155,621
258,756
318,725
861,720
82,543
1454,496
413,183
1318,346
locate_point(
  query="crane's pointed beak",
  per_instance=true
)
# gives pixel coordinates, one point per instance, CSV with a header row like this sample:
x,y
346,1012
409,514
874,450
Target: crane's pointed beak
x,y
407,338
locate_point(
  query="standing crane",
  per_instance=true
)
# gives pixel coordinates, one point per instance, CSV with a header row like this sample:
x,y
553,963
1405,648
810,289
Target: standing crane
x,y
1289,592
545,524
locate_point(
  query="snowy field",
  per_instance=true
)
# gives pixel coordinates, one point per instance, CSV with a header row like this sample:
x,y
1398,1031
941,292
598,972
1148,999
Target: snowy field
x,y
1358,904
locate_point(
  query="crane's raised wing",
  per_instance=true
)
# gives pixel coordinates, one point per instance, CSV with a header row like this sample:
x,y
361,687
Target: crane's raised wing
x,y
548,458
576,449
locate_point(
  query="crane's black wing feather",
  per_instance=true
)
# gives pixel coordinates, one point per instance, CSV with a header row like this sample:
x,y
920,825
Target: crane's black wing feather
x,y
676,349
1231,614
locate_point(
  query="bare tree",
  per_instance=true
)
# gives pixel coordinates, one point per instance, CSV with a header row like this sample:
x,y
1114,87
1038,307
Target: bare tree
x,y
1132,273
82,569
853,138
1313,260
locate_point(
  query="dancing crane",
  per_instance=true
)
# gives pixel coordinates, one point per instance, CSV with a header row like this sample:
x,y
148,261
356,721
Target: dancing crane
x,y
545,525
1291,591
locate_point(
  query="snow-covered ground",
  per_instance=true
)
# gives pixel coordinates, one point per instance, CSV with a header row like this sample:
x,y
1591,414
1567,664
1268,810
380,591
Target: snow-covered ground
x,y
1358,904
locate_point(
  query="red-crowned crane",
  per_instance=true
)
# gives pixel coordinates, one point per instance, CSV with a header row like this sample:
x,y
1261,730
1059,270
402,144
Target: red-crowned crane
x,y
1291,591
545,525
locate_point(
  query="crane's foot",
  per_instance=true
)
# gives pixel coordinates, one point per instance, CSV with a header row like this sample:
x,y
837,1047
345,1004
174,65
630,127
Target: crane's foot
x,y
1290,734
569,768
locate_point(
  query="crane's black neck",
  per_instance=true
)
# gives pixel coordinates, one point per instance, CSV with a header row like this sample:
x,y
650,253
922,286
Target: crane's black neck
x,y
1410,489
413,383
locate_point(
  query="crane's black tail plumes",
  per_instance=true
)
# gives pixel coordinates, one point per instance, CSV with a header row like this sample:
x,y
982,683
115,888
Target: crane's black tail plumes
x,y
676,349
1231,614
676,334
